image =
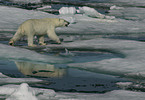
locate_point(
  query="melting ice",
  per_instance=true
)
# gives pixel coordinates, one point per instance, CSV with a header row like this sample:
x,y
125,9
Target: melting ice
x,y
86,21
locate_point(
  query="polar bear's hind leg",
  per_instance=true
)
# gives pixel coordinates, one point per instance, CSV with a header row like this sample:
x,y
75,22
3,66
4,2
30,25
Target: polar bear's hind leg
x,y
16,37
41,40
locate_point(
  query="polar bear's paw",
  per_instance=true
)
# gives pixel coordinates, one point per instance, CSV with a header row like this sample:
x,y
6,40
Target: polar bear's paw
x,y
58,42
42,43
32,45
11,43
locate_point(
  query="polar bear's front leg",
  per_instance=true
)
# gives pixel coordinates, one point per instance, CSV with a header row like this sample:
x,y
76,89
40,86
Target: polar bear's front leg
x,y
30,41
41,40
52,35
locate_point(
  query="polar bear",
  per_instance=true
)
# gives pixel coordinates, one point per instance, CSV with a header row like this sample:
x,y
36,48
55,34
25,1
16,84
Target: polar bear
x,y
39,27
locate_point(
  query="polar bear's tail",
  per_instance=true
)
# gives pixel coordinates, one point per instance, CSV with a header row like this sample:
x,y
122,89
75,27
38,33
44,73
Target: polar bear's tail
x,y
17,35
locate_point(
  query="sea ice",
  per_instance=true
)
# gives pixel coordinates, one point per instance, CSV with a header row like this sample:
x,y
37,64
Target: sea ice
x,y
3,76
26,1
91,12
115,7
131,59
129,13
124,84
18,16
82,24
24,92
139,3
67,10
16,53
44,7
131,64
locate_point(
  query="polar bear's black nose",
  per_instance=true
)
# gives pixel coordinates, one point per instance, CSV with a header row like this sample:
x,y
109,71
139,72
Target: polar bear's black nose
x,y
67,24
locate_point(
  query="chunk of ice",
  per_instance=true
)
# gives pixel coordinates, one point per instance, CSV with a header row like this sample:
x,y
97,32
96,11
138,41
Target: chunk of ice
x,y
91,12
44,7
23,93
116,8
67,10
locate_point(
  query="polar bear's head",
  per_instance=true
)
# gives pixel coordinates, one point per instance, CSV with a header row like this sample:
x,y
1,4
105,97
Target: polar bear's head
x,y
63,22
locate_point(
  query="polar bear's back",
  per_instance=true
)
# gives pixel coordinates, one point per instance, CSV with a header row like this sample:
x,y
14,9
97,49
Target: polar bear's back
x,y
38,26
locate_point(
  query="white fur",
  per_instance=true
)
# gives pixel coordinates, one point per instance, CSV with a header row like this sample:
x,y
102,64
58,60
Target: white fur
x,y
39,27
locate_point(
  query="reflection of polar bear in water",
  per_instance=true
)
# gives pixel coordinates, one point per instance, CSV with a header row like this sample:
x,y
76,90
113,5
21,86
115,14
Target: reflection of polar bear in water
x,y
40,70
39,27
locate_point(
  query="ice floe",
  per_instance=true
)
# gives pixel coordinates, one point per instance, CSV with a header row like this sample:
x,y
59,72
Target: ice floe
x,y
131,3
91,12
6,79
82,24
67,10
44,7
26,1
16,53
115,7
124,84
129,13
131,64
12,17
23,92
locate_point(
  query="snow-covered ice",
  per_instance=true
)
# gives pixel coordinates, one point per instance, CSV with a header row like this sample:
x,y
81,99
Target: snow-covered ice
x,y
5,79
16,53
84,25
116,8
23,92
44,7
12,17
26,1
132,64
124,84
67,10
129,13
90,12
132,3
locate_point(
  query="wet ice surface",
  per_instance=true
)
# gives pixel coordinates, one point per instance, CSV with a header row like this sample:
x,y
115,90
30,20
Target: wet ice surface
x,y
61,78
101,53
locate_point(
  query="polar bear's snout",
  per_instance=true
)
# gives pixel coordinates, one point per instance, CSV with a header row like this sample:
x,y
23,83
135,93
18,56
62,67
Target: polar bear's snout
x,y
66,23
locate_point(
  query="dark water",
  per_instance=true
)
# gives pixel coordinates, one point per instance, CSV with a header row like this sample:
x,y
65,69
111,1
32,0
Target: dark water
x,y
62,78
